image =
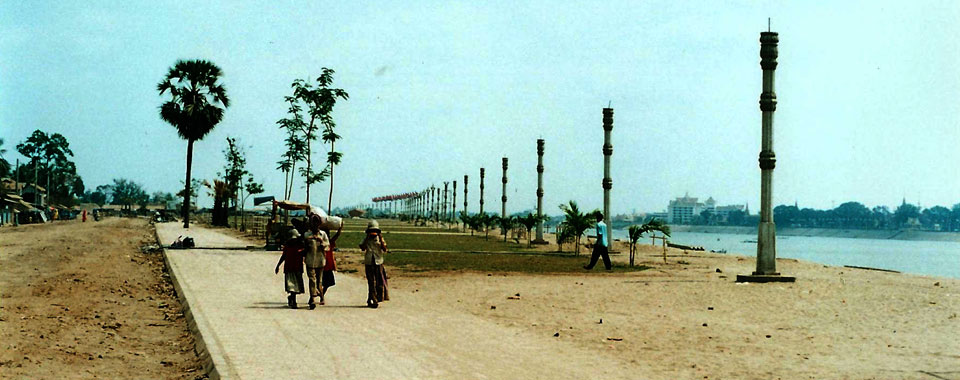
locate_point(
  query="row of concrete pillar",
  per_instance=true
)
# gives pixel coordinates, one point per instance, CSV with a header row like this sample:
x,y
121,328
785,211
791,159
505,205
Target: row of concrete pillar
x,y
429,202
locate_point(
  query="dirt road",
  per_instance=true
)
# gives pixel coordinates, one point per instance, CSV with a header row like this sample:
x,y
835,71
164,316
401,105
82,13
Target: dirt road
x,y
80,300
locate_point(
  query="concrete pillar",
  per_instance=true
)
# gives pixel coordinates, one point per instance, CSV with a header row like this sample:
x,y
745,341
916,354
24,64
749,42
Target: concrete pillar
x,y
481,189
443,207
607,152
766,231
503,197
465,187
539,239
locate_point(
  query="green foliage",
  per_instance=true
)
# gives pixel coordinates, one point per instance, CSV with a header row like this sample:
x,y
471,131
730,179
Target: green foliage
x,y
635,232
530,221
235,168
318,100
197,103
50,160
564,235
4,164
491,262
128,193
576,222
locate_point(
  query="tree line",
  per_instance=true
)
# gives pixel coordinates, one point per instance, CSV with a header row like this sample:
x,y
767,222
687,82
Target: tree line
x,y
850,215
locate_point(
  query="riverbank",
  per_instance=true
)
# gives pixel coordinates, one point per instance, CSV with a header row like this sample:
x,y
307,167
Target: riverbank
x,y
909,235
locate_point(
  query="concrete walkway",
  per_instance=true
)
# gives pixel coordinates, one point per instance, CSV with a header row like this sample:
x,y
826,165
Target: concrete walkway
x,y
238,305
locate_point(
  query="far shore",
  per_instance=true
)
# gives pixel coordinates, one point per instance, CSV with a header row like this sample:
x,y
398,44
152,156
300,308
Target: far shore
x,y
912,235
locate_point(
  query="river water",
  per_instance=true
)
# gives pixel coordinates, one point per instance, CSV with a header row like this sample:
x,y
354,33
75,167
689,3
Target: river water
x,y
917,257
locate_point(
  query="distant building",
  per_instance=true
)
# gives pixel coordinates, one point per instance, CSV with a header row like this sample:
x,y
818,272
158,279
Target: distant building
x,y
684,209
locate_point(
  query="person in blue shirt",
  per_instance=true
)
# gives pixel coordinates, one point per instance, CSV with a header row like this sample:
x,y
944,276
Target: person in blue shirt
x,y
602,246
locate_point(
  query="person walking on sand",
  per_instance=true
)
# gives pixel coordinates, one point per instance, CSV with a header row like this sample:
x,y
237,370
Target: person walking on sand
x,y
83,216
292,259
374,247
602,246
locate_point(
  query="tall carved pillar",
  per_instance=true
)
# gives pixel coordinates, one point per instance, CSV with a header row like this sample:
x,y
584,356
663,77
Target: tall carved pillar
x,y
503,197
539,239
767,230
453,202
607,152
443,206
465,187
481,189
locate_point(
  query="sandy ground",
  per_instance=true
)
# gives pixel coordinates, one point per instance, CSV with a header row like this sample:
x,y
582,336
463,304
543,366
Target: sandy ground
x,y
680,320
688,319
80,300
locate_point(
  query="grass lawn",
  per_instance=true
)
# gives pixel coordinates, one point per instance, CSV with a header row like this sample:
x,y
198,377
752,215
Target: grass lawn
x,y
495,262
435,242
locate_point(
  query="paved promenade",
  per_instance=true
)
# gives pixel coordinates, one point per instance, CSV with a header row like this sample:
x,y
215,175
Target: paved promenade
x,y
239,307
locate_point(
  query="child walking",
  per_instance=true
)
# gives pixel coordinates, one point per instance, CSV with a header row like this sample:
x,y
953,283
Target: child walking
x,y
292,259
331,266
374,247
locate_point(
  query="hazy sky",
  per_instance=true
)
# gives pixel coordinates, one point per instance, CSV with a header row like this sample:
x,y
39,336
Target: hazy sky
x,y
868,95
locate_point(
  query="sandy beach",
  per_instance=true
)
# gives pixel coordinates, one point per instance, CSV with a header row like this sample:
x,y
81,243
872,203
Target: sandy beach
x,y
689,319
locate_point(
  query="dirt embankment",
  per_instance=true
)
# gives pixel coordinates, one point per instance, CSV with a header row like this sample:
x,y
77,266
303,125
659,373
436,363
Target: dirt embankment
x,y
82,300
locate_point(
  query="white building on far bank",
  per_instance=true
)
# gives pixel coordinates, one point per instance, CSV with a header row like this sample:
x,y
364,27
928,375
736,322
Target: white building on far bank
x,y
684,209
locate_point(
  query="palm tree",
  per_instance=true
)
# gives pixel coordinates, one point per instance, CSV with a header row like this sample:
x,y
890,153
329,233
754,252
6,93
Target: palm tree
x,y
506,224
528,222
576,222
635,232
563,236
4,164
486,221
196,106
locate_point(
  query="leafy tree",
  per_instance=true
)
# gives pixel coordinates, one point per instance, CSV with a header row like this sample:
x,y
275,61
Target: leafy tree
x,y
50,158
252,188
98,197
881,216
296,147
904,213
576,221
196,106
785,215
955,217
736,217
853,215
127,193
937,215
319,100
234,170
